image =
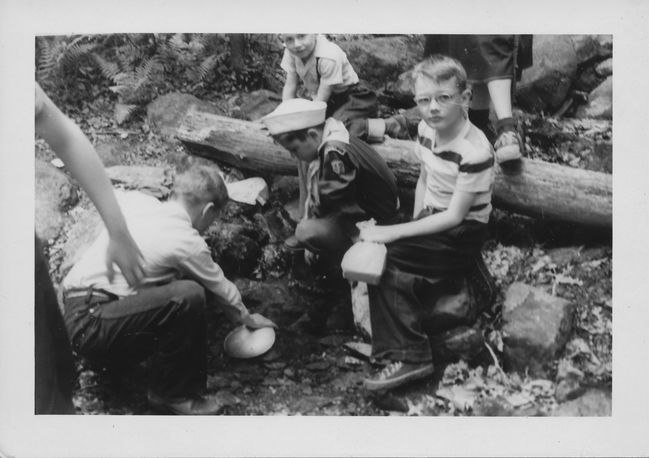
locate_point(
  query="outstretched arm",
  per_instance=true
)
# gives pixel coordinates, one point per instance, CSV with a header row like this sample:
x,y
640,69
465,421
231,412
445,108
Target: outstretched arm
x,y
73,147
439,222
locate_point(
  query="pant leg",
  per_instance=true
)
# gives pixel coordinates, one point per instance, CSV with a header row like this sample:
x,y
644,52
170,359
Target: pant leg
x,y
54,371
396,316
414,266
166,323
331,235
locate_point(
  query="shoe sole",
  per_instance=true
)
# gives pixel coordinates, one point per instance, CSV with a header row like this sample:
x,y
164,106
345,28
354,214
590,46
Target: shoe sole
x,y
395,382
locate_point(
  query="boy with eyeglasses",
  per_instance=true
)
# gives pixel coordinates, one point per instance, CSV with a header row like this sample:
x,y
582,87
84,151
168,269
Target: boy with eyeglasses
x,y
451,211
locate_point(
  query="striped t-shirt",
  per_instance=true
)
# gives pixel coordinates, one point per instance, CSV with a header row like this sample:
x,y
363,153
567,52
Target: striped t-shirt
x,y
466,163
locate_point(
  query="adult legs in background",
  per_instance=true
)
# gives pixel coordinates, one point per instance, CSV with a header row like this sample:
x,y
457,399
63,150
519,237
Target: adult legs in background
x,y
54,371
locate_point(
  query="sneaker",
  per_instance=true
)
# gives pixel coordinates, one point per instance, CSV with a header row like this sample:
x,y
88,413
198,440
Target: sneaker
x,y
508,146
396,374
195,405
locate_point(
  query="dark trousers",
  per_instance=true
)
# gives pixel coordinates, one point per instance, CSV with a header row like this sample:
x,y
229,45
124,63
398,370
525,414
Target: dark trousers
x,y
166,323
54,371
330,236
414,268
353,107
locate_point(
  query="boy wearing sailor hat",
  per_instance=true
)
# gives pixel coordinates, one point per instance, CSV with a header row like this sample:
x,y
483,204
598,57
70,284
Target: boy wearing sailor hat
x,y
342,181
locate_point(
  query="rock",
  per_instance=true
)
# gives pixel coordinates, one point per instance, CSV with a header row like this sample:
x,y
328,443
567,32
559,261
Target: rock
x,y
285,188
382,59
165,113
589,47
235,247
564,255
391,402
277,223
400,94
111,152
251,191
155,181
605,68
493,407
600,102
293,209
55,193
255,105
462,343
260,296
544,85
568,381
536,326
593,403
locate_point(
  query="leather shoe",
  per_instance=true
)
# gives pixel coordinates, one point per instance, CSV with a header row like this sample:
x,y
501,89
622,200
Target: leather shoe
x,y
195,405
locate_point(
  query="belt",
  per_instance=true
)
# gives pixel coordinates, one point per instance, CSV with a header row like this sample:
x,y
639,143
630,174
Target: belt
x,y
87,293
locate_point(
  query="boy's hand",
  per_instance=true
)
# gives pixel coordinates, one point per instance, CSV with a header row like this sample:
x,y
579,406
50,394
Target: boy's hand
x,y
377,234
123,251
256,321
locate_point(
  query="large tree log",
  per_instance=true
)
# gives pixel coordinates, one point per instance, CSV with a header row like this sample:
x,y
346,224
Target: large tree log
x,y
538,189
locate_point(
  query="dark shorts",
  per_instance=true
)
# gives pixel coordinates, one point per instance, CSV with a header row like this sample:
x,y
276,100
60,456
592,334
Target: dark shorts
x,y
485,57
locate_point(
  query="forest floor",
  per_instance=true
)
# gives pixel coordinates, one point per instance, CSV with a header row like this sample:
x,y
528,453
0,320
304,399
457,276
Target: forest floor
x,y
316,375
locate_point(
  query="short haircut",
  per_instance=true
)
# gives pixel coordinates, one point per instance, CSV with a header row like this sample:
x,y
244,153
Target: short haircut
x,y
441,68
201,183
299,135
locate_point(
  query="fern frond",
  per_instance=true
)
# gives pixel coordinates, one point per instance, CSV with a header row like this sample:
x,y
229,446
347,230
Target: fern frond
x,y
75,51
123,112
207,66
109,69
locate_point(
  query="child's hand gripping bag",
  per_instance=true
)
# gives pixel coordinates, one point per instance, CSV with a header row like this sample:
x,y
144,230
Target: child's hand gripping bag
x,y
364,261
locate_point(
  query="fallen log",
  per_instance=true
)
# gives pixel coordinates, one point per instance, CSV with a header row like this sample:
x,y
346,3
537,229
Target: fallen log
x,y
537,189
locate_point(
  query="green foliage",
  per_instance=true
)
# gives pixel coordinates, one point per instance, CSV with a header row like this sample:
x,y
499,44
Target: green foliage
x,y
132,69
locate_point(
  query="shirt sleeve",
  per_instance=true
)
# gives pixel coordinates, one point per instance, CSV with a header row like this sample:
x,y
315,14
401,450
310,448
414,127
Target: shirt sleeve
x,y
331,71
476,173
201,267
288,64
337,182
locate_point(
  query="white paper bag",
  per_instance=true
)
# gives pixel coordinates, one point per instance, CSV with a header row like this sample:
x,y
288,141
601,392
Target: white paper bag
x,y
364,261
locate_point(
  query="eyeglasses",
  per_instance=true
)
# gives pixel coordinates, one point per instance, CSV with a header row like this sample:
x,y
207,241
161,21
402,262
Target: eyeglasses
x,y
441,99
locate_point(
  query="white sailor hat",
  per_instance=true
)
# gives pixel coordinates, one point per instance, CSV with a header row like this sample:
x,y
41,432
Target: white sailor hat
x,y
295,114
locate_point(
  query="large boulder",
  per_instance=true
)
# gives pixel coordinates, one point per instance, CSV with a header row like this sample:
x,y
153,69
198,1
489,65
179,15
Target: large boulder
x,y
600,102
55,194
166,112
378,60
536,326
155,181
594,403
254,105
561,63
544,85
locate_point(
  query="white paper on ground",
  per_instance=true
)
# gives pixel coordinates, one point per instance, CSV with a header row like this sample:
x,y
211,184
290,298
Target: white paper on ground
x,y
249,191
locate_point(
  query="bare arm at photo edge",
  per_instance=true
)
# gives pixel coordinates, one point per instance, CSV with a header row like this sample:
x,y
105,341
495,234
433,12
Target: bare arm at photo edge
x,y
75,150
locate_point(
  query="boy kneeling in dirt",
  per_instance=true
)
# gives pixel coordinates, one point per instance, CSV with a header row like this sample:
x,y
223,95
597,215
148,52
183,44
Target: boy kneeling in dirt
x,y
346,182
113,323
451,211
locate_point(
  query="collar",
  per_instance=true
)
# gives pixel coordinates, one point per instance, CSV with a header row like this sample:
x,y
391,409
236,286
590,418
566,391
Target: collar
x,y
179,209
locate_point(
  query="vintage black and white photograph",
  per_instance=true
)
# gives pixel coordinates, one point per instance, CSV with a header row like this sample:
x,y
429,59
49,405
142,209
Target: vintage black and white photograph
x,y
237,224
